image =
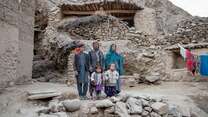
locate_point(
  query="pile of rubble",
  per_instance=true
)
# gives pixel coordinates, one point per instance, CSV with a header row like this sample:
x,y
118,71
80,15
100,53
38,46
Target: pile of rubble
x,y
121,106
144,39
190,31
95,27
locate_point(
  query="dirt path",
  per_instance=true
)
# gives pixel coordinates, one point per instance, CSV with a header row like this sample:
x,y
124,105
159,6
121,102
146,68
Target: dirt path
x,y
14,103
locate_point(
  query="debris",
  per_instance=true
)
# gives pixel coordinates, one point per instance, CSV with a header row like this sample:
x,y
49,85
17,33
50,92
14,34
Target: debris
x,y
134,106
121,110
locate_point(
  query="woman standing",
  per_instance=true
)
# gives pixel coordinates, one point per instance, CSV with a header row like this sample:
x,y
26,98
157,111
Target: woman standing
x,y
113,57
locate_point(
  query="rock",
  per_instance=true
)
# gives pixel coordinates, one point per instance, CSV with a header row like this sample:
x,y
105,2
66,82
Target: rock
x,y
148,55
43,96
104,103
93,110
124,97
145,113
149,109
154,114
114,99
159,107
55,106
145,103
152,78
134,106
121,110
72,105
108,112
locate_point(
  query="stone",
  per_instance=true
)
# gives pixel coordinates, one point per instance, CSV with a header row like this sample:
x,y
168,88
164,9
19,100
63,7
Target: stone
x,y
145,103
104,103
149,55
152,78
121,110
55,106
149,109
72,105
93,110
134,106
154,114
114,99
159,107
124,97
43,96
110,110
145,113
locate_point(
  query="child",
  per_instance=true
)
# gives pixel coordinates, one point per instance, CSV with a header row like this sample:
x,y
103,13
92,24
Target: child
x,y
111,76
96,82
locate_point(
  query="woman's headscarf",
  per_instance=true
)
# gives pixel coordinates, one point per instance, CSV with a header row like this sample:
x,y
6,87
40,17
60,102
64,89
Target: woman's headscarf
x,y
113,57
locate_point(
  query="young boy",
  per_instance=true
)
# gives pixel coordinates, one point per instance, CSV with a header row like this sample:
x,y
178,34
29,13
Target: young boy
x,y
96,82
111,76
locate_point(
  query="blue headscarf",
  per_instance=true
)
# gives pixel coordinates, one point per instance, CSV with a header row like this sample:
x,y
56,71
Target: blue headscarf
x,y
113,57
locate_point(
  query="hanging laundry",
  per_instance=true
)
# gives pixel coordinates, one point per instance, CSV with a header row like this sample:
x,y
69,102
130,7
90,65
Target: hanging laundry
x,y
189,55
191,66
182,51
203,65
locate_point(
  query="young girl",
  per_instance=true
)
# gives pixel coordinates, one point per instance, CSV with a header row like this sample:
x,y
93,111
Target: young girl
x,y
96,82
111,77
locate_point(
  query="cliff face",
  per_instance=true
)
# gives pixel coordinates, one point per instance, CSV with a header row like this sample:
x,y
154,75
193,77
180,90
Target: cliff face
x,y
166,15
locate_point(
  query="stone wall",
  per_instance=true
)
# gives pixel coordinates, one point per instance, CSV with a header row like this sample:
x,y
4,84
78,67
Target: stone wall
x,y
16,43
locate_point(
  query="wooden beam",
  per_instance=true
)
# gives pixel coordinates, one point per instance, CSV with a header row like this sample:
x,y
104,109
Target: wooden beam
x,y
92,12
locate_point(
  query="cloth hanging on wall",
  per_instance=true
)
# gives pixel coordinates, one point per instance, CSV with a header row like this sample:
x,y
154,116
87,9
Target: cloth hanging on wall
x,y
182,51
203,65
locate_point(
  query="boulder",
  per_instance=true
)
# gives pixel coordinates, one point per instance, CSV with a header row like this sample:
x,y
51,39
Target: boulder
x,y
104,103
121,110
134,106
72,105
152,78
159,107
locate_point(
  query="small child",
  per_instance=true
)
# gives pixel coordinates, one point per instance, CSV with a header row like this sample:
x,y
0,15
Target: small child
x,y
111,76
96,82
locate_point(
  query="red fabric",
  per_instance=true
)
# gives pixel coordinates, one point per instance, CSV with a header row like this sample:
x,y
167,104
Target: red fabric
x,y
189,55
189,65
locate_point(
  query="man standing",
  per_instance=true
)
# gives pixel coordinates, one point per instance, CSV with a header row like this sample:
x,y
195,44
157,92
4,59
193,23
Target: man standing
x,y
81,67
96,57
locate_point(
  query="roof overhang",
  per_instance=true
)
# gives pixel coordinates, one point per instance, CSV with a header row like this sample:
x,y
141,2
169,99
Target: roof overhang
x,y
123,9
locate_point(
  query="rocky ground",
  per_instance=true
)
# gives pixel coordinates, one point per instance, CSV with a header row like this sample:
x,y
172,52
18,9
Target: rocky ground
x,y
170,99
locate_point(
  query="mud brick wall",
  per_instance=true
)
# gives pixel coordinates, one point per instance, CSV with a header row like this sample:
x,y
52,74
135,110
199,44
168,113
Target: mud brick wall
x,y
16,43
